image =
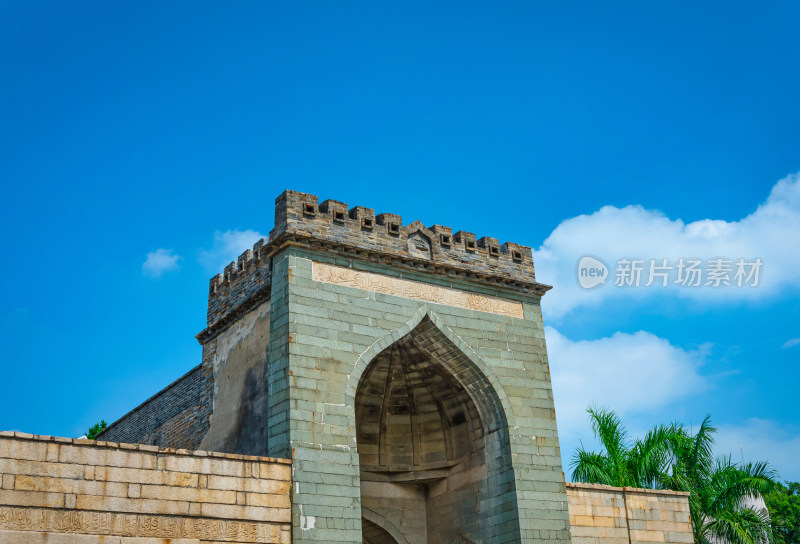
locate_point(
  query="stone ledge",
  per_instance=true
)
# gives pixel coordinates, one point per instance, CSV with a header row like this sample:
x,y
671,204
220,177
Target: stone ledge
x,y
602,487
138,447
224,284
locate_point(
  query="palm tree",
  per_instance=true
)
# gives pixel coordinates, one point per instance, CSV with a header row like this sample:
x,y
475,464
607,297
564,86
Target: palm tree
x,y
641,463
720,492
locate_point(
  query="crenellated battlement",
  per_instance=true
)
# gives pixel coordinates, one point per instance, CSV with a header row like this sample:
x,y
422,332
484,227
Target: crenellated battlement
x,y
358,232
302,214
242,285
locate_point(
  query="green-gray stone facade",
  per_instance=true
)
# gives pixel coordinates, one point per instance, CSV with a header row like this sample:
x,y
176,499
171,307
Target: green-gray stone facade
x,y
409,418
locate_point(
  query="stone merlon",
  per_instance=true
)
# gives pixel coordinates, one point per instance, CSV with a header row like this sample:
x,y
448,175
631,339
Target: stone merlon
x,y
358,232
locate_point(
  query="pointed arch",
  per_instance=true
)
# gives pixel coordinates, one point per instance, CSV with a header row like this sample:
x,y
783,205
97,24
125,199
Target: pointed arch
x,y
449,350
432,433
378,520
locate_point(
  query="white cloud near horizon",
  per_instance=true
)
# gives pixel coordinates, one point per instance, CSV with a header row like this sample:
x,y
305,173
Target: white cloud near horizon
x,y
634,232
792,342
643,378
159,262
227,247
629,373
762,440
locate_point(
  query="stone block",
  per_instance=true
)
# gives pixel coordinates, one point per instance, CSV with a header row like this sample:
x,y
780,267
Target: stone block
x,y
141,476
260,485
11,448
36,468
232,511
99,456
188,494
269,501
646,536
42,499
122,504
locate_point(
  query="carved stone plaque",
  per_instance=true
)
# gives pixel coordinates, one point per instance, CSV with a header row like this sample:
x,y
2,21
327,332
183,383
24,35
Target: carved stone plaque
x,y
415,290
132,525
419,245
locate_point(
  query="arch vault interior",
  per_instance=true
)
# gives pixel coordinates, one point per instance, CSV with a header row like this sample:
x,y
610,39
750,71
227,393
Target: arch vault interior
x,y
421,444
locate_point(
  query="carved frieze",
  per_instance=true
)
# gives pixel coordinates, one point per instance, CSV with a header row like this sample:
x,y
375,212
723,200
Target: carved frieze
x,y
141,525
414,290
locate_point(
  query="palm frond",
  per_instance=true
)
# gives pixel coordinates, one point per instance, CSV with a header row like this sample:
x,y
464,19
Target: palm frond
x,y
701,458
590,467
733,484
650,458
608,428
741,526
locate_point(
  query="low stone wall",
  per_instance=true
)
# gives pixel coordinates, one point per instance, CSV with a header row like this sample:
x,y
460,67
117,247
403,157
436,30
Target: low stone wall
x,y
59,490
64,491
601,514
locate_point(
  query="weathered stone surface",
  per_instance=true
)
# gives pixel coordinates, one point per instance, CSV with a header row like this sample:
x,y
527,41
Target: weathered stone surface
x,y
334,332
387,285
122,493
239,359
600,514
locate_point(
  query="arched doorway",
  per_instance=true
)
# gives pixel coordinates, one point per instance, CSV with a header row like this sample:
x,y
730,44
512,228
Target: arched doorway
x,y
432,442
372,533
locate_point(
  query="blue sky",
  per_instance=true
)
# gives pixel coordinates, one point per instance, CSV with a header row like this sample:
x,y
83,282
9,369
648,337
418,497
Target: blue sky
x,y
142,147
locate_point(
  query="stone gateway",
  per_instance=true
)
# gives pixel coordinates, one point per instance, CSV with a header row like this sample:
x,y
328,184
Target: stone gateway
x,y
400,370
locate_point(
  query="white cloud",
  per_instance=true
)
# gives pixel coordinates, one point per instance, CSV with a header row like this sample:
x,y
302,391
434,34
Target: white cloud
x,y
227,247
762,440
792,342
634,232
160,261
629,373
640,376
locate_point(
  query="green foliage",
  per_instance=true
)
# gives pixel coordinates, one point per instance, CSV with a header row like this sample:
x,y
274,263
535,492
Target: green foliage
x,y
624,463
95,429
670,457
784,509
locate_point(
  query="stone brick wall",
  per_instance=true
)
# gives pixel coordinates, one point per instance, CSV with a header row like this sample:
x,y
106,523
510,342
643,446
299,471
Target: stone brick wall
x,y
175,417
323,336
600,514
56,490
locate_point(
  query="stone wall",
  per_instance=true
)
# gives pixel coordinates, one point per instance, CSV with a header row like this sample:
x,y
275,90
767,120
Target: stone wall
x,y
239,358
600,514
175,417
59,490
324,334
